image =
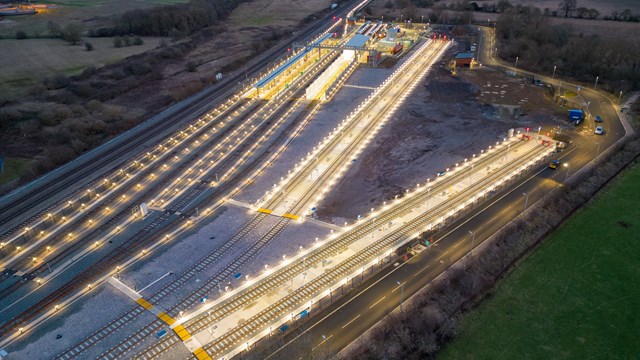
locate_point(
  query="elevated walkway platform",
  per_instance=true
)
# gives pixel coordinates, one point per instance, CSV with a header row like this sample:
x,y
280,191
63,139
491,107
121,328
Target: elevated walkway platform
x,y
287,64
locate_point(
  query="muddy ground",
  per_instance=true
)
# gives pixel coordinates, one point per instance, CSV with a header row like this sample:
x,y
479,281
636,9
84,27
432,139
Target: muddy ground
x,y
446,120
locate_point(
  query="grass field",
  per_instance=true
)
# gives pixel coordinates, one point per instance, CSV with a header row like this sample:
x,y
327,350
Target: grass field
x,y
274,12
575,297
605,7
13,167
31,60
86,12
92,3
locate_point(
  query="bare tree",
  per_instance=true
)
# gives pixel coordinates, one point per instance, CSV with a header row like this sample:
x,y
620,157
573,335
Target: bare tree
x,y
568,6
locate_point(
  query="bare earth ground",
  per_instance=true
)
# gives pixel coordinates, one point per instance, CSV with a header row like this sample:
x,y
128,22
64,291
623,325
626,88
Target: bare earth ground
x,y
441,124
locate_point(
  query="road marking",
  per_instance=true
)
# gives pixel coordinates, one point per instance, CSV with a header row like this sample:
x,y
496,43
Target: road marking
x,y
396,288
352,320
421,270
291,216
456,244
376,303
445,253
201,354
323,341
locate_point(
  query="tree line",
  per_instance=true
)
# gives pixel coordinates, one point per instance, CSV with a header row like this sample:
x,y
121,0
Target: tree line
x,y
168,20
523,32
566,8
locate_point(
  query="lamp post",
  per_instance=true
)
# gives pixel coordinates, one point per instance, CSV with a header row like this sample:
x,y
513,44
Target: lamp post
x,y
473,239
596,84
619,96
526,200
554,72
516,67
597,151
566,176
401,293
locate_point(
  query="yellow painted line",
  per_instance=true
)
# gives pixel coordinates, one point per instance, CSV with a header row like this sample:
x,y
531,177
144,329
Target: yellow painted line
x,y
291,216
266,211
376,303
144,303
166,318
201,354
182,332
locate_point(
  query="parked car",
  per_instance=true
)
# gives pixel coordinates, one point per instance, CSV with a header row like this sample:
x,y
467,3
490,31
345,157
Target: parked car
x,y
598,118
554,164
599,130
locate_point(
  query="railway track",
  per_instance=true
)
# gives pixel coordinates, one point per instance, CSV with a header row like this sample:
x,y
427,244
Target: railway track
x,y
337,161
210,285
299,204
134,242
136,338
112,188
126,318
115,256
264,286
403,209
100,227
125,209
95,166
123,320
232,339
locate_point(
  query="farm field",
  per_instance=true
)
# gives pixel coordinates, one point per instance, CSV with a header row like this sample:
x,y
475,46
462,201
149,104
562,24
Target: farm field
x,y
604,7
274,13
89,12
605,29
13,167
575,297
601,28
33,59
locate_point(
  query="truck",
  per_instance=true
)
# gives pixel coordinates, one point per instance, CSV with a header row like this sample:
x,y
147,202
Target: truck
x,y
396,49
576,116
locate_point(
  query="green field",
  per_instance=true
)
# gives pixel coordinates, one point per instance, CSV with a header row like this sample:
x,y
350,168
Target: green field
x,y
13,167
29,61
90,13
85,3
576,297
